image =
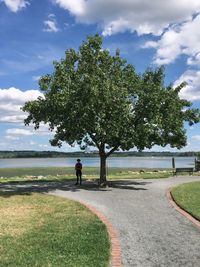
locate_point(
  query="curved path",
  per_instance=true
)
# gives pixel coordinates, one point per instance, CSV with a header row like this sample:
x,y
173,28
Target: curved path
x,y
151,232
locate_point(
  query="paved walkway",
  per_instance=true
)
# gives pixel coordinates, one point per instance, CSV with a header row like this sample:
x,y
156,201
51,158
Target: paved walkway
x,y
151,232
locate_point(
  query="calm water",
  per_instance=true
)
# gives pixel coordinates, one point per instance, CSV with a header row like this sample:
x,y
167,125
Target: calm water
x,y
131,162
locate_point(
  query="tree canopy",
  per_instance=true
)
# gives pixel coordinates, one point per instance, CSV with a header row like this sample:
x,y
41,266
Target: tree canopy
x,y
97,99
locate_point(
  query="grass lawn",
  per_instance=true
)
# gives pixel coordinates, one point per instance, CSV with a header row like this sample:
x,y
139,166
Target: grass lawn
x,y
47,231
89,173
187,196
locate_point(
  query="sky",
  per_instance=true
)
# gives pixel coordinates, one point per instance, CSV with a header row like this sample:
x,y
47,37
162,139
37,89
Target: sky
x,y
148,33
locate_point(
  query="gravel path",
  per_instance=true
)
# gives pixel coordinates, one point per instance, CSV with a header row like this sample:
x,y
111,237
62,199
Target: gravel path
x,y
151,232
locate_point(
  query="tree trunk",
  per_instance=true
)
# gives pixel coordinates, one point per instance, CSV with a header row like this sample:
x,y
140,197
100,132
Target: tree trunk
x,y
102,181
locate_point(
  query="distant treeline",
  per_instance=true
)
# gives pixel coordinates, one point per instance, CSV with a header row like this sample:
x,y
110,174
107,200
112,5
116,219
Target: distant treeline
x,y
54,154
37,154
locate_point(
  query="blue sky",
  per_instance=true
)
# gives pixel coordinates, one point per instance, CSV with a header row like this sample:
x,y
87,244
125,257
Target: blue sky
x,y
34,33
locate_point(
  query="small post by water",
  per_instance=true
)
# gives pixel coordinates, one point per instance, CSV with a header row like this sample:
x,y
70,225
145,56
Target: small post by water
x,y
173,163
197,164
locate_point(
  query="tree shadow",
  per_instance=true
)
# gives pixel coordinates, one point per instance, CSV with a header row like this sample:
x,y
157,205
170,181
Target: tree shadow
x,y
8,194
130,185
10,189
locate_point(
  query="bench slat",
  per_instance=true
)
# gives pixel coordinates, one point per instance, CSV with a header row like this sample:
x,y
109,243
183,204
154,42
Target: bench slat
x,y
190,170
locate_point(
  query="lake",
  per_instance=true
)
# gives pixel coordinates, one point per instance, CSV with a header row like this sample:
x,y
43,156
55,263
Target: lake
x,y
123,162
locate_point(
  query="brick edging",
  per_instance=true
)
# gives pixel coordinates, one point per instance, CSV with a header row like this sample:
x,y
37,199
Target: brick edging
x,y
116,260
179,209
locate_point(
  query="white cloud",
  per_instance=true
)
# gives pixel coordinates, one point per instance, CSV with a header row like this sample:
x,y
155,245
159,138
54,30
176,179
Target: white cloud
x,y
18,132
75,7
178,40
15,95
42,131
143,16
150,44
9,107
192,89
32,143
11,100
196,138
51,24
36,78
43,146
23,131
16,144
195,60
15,5
10,137
12,118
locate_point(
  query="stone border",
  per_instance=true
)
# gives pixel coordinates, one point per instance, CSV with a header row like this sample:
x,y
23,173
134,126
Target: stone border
x,y
116,260
180,210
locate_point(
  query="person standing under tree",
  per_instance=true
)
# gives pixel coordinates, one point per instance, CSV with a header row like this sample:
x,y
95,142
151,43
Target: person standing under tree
x,y
78,168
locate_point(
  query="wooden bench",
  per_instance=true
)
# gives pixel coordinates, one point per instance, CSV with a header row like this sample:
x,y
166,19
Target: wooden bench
x,y
179,170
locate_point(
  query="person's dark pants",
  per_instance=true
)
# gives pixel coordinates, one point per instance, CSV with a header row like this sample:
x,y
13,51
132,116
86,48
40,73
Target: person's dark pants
x,y
79,176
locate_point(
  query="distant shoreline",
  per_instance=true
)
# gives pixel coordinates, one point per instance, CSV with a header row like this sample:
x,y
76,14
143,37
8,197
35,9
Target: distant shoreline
x,y
55,154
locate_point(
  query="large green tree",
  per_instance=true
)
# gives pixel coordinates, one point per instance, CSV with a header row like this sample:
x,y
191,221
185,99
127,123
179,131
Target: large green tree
x,y
97,99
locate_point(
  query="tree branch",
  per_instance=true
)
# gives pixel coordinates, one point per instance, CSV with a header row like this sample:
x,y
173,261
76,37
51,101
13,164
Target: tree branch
x,y
111,151
94,140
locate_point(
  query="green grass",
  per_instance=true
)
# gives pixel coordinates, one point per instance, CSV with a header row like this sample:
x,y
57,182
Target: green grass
x,y
42,230
139,174
40,171
89,173
187,196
